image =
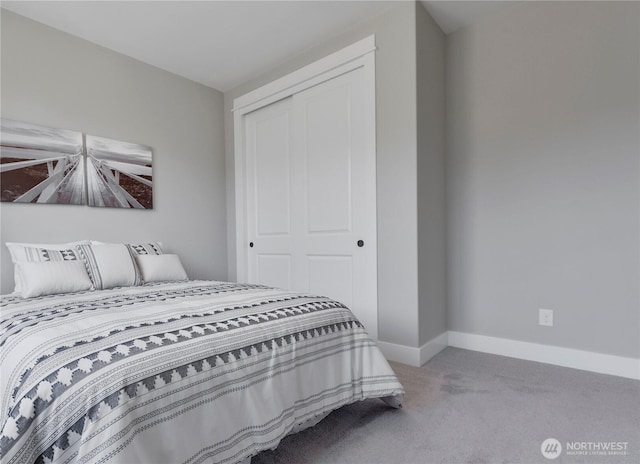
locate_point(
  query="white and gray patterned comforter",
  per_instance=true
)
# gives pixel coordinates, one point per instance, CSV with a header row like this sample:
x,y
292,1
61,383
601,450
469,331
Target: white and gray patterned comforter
x,y
184,372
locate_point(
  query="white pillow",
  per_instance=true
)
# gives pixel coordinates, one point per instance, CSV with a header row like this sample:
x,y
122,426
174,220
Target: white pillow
x,y
109,265
19,254
161,268
51,277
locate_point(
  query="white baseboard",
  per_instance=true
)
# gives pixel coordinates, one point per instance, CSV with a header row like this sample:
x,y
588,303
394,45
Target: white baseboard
x,y
433,347
559,356
414,356
556,355
400,353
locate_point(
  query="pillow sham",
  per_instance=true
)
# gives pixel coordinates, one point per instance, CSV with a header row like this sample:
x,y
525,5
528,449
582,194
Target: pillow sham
x,y
151,248
161,268
51,277
109,265
21,252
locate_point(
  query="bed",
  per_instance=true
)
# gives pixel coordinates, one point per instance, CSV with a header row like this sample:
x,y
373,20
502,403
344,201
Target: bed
x,y
176,372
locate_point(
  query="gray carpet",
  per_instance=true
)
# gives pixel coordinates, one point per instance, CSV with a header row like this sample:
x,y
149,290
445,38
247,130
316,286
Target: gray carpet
x,y
469,407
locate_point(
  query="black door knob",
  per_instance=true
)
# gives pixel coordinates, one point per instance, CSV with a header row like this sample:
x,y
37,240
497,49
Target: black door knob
x,y
360,243
250,244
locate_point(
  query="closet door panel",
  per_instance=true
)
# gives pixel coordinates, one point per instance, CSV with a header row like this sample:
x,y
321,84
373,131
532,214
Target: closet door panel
x,y
271,162
326,143
268,146
335,210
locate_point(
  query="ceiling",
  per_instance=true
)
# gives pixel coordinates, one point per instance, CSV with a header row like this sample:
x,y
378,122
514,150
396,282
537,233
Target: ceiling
x,y
452,15
228,42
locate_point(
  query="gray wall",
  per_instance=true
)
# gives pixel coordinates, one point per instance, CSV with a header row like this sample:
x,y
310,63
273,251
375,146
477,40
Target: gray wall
x,y
431,190
543,148
396,163
54,79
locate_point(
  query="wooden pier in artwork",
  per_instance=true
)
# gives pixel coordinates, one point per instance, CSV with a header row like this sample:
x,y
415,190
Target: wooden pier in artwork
x,y
41,164
64,184
65,181
103,183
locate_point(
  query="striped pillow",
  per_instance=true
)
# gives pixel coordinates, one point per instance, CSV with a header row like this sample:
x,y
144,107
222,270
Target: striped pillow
x,y
33,254
110,265
152,248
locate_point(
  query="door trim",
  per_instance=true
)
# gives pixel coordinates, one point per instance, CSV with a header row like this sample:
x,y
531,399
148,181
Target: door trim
x,y
357,55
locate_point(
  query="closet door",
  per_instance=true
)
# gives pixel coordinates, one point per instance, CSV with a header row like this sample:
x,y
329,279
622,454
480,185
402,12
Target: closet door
x,y
268,145
311,196
335,220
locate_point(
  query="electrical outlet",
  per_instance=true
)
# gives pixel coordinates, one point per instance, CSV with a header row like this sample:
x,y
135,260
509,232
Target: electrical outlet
x,y
545,317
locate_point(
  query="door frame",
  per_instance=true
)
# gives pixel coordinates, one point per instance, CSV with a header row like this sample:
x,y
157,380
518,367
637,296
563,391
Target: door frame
x,y
360,54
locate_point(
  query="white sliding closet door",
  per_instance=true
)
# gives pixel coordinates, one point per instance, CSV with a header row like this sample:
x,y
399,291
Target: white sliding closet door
x,y
311,209
335,196
270,172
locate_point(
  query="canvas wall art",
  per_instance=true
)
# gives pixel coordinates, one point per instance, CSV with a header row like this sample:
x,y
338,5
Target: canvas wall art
x,y
41,164
119,174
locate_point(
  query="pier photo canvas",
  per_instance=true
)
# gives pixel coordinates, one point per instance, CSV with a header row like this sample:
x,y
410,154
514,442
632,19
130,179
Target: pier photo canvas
x,y
40,164
119,174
